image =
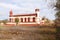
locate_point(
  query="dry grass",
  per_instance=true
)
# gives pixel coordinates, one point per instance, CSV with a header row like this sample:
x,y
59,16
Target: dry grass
x,y
27,33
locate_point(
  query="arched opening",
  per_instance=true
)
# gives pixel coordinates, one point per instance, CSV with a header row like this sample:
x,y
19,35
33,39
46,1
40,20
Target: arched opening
x,y
33,19
21,19
28,19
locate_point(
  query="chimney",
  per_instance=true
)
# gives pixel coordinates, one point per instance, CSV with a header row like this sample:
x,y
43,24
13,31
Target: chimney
x,y
11,13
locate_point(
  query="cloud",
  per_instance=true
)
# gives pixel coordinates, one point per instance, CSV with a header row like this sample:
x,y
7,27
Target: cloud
x,y
27,6
14,7
5,5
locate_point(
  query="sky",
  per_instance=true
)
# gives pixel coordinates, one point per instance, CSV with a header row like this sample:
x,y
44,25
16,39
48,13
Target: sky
x,y
46,7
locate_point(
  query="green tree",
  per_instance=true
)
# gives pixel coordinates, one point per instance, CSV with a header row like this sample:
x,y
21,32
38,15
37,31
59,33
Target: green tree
x,y
57,20
16,20
58,4
57,15
46,20
4,21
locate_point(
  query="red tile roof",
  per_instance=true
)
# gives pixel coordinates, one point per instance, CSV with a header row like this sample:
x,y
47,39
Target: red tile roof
x,y
25,15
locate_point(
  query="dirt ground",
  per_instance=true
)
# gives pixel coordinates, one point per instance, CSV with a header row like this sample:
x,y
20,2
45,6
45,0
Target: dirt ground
x,y
27,33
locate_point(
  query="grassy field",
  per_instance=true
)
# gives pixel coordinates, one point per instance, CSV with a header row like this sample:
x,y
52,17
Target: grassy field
x,y
27,33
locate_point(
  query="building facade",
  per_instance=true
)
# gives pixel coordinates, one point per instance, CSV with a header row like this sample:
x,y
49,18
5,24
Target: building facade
x,y
31,18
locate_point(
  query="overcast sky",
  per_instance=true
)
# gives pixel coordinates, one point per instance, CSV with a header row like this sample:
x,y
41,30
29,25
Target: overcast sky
x,y
27,6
